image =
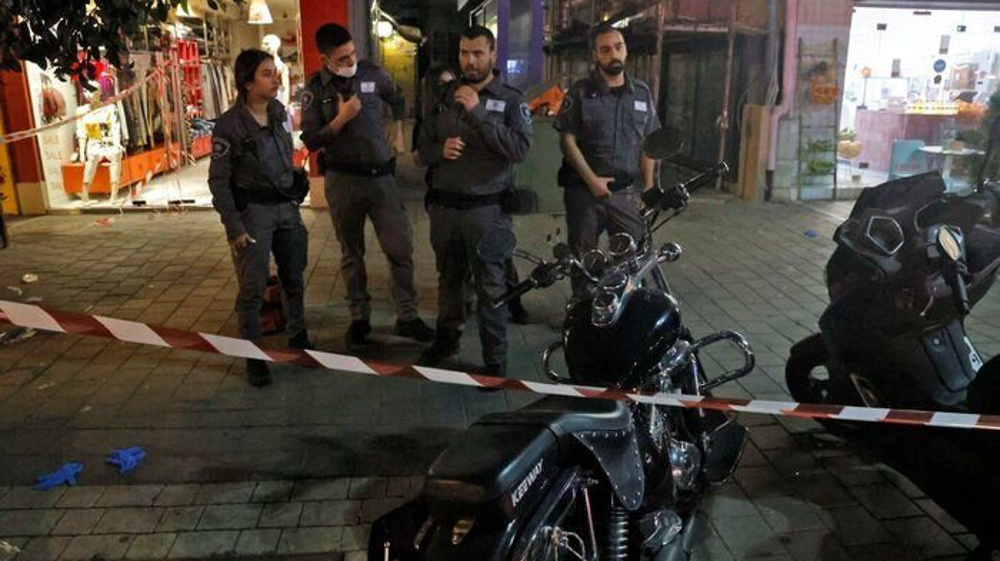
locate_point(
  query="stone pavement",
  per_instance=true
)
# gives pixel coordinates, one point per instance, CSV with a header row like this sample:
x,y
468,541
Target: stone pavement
x,y
301,467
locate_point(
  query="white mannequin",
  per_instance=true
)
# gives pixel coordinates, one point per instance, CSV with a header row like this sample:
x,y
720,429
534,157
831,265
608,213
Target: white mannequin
x,y
271,44
98,136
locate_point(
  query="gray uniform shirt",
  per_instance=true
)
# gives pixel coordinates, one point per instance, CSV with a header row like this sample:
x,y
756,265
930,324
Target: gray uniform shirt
x,y
363,139
497,135
249,160
608,124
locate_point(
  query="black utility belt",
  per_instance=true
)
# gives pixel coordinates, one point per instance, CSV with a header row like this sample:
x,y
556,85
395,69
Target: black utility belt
x,y
461,201
262,196
365,170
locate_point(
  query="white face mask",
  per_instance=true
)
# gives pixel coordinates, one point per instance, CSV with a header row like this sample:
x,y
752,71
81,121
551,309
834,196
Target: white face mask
x,y
347,72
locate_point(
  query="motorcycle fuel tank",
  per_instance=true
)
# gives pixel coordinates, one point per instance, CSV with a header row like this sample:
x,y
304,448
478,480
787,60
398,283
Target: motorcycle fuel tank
x,y
619,354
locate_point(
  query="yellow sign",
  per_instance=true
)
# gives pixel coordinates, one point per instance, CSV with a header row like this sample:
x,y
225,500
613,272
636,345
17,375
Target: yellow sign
x,y
8,202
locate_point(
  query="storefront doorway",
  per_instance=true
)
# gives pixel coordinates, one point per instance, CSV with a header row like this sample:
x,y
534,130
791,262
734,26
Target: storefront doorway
x,y
916,89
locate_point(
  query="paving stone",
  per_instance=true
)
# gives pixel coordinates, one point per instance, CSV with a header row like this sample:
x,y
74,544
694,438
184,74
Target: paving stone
x,y
224,493
330,513
176,495
368,487
812,545
356,556
788,514
28,522
371,509
151,546
27,497
855,526
203,544
748,536
281,515
180,518
310,540
320,489
80,497
924,536
272,491
229,517
940,516
885,501
356,537
257,542
129,521
85,548
77,522
43,548
129,495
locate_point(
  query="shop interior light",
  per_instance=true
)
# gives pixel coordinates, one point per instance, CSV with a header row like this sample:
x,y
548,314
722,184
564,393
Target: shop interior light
x,y
259,13
383,29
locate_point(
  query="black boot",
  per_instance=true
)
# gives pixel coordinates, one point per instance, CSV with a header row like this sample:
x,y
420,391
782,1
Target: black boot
x,y
301,342
357,333
258,373
497,371
415,329
445,345
518,315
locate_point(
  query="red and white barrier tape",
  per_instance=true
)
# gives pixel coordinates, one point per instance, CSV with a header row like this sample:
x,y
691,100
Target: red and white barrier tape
x,y
36,317
21,135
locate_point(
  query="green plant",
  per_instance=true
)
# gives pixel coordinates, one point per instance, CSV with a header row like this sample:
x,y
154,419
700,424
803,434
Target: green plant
x,y
819,146
820,167
70,36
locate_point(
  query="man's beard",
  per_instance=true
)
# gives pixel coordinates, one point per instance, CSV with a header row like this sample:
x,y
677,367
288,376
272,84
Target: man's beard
x,y
613,68
474,76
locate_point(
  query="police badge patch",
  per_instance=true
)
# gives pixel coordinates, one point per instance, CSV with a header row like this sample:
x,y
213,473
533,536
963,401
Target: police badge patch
x,y
220,147
567,104
307,99
526,113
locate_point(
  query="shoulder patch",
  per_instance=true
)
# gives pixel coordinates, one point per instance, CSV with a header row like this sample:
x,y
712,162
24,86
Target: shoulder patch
x,y
307,99
526,113
567,103
220,148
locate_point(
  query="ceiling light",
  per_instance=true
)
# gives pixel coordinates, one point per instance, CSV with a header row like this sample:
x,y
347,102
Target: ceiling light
x,y
259,13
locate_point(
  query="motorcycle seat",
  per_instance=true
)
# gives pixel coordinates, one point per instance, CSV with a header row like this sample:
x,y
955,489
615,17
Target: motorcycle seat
x,y
502,450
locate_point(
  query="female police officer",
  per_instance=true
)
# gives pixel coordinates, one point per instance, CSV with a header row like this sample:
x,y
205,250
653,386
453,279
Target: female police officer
x,y
255,191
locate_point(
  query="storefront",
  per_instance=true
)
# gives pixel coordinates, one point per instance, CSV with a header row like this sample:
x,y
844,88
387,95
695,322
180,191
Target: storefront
x,y
916,87
146,144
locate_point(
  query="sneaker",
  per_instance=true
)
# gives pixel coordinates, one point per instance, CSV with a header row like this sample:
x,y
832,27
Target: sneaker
x,y
301,342
415,329
518,315
445,345
258,373
357,333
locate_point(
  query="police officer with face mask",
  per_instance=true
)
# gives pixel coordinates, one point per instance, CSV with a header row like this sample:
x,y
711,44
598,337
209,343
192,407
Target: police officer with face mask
x,y
602,122
342,116
255,191
472,139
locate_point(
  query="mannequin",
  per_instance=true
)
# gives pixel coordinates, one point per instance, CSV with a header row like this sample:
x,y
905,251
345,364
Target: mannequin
x,y
271,44
99,138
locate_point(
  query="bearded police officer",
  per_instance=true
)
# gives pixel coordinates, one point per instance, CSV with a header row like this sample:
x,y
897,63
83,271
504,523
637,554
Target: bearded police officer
x,y
342,115
472,139
602,122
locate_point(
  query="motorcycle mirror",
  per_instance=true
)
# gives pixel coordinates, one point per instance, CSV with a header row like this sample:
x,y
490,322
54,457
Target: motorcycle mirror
x,y
663,144
562,251
950,243
496,246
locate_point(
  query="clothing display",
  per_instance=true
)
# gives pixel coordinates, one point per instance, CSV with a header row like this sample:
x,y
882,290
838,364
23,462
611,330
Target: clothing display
x,y
217,85
99,137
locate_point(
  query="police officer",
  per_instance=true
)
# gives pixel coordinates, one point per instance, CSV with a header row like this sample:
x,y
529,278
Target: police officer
x,y
254,191
473,138
602,122
342,115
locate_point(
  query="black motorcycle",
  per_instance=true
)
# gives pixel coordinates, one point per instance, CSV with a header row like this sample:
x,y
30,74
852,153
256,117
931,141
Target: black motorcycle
x,y
566,478
911,262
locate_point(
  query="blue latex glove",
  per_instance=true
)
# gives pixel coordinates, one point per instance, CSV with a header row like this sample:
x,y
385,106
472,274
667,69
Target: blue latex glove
x,y
810,233
65,476
126,458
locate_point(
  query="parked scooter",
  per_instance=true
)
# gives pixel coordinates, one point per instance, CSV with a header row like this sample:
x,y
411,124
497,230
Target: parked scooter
x,y
911,262
579,479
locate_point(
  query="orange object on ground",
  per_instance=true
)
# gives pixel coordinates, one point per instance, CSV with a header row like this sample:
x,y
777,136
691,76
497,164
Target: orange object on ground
x,y
548,102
